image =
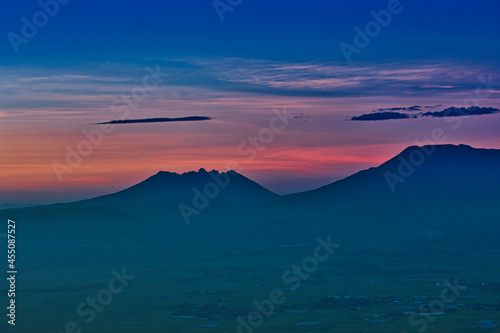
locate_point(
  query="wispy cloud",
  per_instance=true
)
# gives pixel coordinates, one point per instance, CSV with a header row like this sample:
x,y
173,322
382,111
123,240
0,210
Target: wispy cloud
x,y
34,87
338,80
155,120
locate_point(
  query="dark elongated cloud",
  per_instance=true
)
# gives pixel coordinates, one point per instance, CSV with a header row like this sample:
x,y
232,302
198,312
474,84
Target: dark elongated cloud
x,y
381,116
460,112
449,112
155,120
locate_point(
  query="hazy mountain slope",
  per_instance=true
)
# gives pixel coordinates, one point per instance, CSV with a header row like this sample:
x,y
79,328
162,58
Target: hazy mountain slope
x,y
209,197
441,188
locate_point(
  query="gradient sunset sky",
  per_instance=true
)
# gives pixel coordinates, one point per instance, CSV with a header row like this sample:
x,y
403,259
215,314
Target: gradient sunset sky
x,y
264,56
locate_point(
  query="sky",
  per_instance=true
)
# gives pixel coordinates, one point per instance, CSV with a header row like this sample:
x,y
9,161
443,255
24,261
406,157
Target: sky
x,y
281,84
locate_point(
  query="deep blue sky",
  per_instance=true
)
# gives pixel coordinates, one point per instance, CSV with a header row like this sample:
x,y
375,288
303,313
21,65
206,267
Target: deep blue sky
x,y
285,30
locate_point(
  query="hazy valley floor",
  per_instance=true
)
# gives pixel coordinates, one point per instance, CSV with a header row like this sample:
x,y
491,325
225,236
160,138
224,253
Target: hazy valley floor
x,y
203,287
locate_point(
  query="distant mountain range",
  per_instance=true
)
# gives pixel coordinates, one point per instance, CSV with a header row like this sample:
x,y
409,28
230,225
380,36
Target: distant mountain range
x,y
430,192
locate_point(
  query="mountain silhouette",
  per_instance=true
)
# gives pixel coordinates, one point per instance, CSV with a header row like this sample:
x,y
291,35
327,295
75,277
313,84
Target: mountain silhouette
x,y
438,189
168,195
165,200
430,191
419,173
